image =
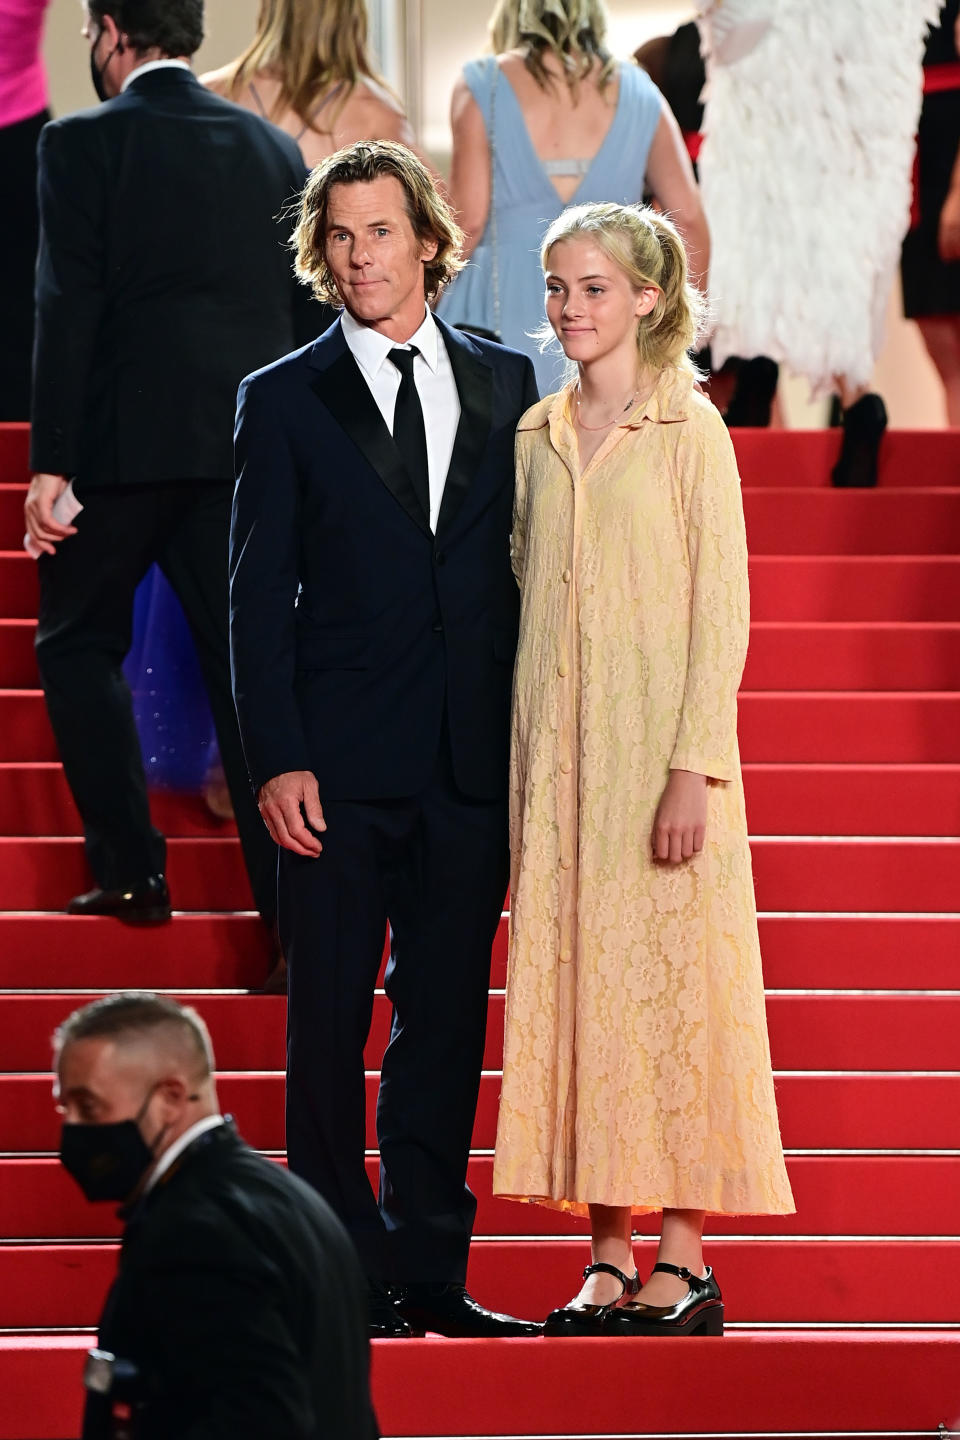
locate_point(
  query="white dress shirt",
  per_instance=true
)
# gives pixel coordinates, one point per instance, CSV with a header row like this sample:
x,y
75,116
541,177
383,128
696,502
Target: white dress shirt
x,y
436,386
152,65
209,1122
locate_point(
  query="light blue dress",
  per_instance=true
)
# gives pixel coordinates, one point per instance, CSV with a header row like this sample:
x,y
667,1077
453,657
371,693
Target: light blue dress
x,y
527,201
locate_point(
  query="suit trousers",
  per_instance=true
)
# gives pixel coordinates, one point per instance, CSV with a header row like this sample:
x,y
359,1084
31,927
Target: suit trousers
x,y
84,632
436,867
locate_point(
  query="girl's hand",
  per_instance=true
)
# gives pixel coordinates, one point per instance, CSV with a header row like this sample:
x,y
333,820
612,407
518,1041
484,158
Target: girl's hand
x,y
680,824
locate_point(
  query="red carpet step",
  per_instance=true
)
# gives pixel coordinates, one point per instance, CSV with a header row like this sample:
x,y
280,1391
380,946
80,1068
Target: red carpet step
x,y
797,799
781,520
806,457
806,874
810,655
819,1112
892,1383
782,587
853,655
40,1202
807,1031
209,952
899,588
774,726
787,1281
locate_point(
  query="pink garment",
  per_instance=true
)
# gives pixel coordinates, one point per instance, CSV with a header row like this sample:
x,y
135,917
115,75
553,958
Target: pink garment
x,y
23,78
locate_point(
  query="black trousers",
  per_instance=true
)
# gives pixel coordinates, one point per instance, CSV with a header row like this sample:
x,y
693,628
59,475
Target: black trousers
x,y
19,233
437,867
84,633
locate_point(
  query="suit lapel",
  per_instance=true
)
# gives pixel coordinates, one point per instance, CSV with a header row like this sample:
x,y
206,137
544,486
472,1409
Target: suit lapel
x,y
341,387
475,387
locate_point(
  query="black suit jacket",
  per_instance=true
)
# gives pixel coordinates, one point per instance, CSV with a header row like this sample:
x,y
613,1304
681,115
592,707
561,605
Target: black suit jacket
x,y
162,280
354,629
240,1301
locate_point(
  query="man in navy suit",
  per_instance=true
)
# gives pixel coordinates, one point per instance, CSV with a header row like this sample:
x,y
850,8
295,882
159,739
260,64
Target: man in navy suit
x,y
374,622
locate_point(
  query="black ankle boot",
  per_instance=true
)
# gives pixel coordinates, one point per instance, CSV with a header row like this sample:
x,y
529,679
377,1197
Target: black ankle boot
x,y
753,393
863,427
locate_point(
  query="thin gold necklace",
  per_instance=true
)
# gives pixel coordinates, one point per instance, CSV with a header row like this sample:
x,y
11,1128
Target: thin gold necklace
x,y
607,423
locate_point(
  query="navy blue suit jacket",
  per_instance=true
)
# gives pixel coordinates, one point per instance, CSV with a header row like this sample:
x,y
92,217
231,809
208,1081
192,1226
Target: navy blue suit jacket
x,y
354,630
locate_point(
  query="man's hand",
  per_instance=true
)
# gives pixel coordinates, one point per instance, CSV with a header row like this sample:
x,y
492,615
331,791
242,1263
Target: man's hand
x,y
681,820
280,802
43,494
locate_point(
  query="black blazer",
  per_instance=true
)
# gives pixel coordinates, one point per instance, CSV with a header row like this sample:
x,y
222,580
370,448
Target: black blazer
x,y
353,629
241,1303
162,280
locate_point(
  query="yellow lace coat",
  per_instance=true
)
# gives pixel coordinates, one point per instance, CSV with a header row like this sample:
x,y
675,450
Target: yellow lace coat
x,y
636,1063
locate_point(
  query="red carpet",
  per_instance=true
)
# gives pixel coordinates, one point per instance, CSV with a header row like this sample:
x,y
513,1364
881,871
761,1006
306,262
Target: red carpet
x,y
843,1318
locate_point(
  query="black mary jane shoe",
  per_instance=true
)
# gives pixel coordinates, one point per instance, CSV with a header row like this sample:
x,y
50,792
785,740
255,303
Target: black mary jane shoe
x,y
700,1312
581,1319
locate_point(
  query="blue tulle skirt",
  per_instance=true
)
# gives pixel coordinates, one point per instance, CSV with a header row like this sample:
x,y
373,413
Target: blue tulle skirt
x,y
169,697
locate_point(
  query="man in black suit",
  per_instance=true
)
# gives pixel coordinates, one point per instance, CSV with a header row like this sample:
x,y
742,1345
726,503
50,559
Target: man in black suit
x,y
373,630
162,279
238,1307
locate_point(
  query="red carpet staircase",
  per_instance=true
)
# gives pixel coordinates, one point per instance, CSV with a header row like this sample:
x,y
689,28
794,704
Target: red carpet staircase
x,y
844,1318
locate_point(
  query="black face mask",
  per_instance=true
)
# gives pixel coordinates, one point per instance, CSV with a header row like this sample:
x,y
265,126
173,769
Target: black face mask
x,y
108,1162
96,71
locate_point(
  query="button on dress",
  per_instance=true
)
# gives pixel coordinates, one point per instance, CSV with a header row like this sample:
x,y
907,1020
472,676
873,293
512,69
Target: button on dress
x,y
636,1062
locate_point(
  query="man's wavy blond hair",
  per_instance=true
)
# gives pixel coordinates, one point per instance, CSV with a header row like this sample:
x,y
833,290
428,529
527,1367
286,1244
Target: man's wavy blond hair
x,y
428,212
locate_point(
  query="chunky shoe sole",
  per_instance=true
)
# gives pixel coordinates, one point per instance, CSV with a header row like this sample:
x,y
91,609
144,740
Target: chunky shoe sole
x,y
706,1321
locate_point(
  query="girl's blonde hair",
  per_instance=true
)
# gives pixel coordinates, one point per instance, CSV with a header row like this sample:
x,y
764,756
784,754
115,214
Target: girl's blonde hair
x,y
573,31
647,247
308,46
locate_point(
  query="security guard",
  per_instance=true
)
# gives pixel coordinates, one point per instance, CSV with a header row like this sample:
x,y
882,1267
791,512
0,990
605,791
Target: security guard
x,y
239,1307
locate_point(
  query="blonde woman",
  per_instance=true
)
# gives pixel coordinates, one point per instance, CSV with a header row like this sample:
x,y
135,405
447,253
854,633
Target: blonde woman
x,y
308,70
552,118
637,1070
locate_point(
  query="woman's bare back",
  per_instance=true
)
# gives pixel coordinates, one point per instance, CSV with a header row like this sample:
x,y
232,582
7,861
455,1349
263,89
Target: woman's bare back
x,y
369,113
563,124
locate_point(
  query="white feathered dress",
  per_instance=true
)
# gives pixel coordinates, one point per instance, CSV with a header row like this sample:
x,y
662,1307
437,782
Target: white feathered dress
x,y
810,124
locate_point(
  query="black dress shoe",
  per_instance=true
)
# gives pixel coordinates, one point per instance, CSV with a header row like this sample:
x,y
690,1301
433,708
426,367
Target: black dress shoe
x,y
449,1310
700,1312
147,903
384,1319
578,1318
863,427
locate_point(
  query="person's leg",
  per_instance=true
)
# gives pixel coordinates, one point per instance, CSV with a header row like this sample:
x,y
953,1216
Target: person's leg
x,y
611,1243
444,901
332,916
941,336
85,618
194,559
681,1244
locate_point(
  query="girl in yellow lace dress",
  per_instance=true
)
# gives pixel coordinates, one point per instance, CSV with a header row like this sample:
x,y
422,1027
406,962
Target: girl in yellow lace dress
x,y
637,1070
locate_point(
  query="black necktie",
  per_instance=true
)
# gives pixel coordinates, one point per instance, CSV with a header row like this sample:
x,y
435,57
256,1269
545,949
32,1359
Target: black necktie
x,y
408,433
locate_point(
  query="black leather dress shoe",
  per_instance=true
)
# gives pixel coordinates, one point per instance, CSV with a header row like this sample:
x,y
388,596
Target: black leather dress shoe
x,y
700,1312
147,903
578,1318
449,1310
384,1319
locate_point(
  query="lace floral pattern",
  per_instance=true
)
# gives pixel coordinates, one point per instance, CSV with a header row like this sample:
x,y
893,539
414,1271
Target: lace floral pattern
x,y
636,1063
